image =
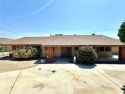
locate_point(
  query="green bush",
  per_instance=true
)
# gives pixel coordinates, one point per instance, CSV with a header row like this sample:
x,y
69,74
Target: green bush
x,y
1,48
86,55
26,52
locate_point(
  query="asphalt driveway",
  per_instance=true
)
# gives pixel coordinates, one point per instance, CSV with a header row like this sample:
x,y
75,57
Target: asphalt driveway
x,y
65,79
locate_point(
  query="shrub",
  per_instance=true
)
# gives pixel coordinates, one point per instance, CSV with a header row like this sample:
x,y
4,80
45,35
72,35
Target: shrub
x,y
26,52
1,48
86,55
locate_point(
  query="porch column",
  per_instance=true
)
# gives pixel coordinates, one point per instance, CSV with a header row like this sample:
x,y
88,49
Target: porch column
x,y
50,53
121,53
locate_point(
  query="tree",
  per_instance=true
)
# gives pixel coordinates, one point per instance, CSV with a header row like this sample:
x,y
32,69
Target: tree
x,y
86,55
121,32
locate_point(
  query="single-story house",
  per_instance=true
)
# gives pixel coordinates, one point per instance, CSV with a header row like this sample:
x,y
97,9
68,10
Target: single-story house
x,y
5,48
67,45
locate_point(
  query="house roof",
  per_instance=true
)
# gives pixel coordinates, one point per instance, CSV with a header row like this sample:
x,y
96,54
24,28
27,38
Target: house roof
x,y
81,40
64,40
27,41
3,40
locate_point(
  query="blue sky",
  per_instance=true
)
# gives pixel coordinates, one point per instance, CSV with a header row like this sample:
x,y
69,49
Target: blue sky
x,y
20,18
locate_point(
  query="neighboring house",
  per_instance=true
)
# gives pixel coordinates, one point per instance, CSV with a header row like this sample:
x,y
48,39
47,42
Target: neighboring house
x,y
67,45
5,48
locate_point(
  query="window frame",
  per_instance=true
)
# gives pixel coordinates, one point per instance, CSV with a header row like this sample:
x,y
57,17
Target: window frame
x,y
105,49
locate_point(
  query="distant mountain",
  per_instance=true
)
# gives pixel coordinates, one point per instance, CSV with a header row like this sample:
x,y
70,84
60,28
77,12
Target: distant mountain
x,y
2,40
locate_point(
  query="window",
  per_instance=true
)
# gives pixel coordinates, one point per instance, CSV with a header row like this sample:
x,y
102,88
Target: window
x,y
103,49
76,48
107,48
45,48
13,47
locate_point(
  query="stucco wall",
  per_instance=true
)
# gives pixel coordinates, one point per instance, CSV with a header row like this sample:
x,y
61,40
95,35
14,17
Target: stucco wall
x,y
43,52
57,51
74,51
104,54
115,50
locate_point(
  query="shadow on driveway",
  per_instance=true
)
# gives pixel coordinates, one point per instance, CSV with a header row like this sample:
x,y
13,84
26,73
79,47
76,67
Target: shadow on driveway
x,y
19,59
44,61
86,66
6,58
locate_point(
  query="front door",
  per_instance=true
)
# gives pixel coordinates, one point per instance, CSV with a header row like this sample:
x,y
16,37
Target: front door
x,y
66,51
50,52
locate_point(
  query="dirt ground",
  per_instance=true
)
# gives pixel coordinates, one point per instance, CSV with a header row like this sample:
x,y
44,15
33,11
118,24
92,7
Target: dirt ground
x,y
13,65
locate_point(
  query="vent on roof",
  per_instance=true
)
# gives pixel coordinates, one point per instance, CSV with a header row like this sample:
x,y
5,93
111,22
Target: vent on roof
x,y
58,34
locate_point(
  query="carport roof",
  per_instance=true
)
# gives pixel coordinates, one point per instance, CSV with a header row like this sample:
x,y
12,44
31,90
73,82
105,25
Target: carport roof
x,y
67,40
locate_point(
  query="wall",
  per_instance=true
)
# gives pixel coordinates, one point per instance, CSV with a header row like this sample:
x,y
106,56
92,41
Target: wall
x,y
122,53
57,51
115,50
104,54
43,52
74,51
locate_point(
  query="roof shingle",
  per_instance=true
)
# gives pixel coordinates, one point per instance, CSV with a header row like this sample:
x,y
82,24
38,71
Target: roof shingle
x,y
61,40
81,40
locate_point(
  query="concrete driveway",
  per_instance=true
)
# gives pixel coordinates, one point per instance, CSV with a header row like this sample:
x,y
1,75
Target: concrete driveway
x,y
65,79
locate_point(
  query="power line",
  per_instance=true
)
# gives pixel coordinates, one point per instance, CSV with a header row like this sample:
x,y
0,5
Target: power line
x,y
21,19
28,19
107,29
10,31
33,26
7,35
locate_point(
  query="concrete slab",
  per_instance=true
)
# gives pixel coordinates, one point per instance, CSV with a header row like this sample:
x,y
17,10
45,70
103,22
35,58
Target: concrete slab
x,y
66,79
114,72
7,81
78,81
